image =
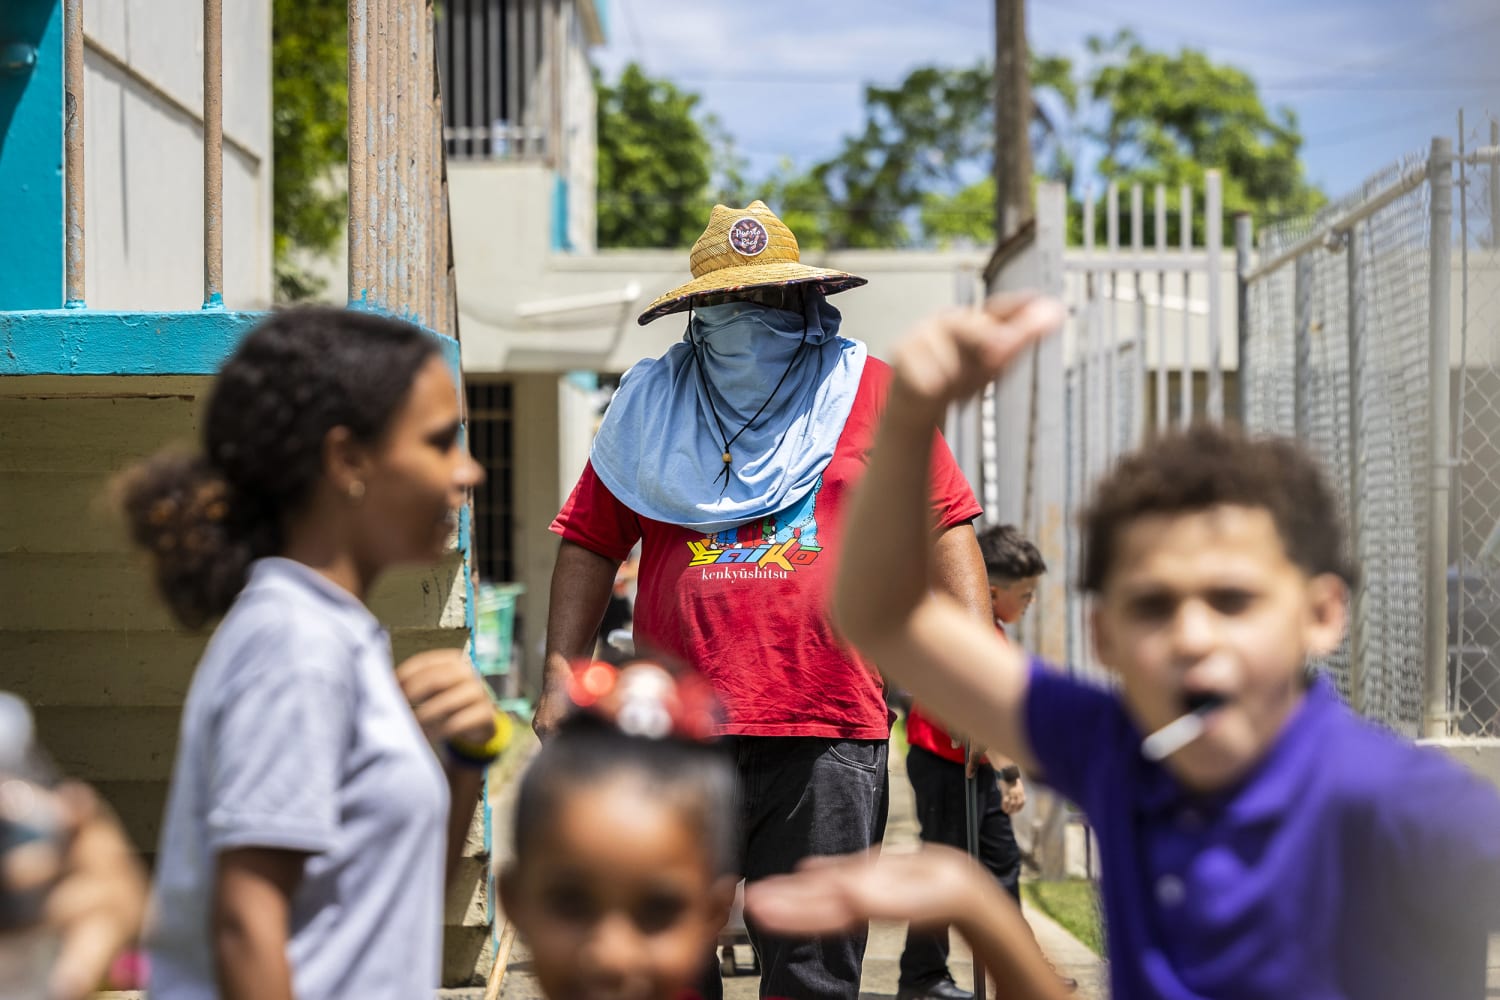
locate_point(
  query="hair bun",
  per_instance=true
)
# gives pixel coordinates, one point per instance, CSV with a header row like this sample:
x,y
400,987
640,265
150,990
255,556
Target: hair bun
x,y
644,698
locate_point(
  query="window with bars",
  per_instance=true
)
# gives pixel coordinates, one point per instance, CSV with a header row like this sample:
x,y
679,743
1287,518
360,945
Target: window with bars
x,y
500,92
492,442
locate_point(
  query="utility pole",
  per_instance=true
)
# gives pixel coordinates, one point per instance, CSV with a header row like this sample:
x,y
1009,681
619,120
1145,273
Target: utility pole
x,y
1013,170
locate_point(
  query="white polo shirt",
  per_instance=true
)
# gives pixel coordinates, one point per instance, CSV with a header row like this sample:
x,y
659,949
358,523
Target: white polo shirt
x,y
296,736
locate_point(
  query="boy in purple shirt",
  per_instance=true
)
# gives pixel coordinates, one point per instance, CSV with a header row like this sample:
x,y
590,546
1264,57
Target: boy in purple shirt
x,y
1280,847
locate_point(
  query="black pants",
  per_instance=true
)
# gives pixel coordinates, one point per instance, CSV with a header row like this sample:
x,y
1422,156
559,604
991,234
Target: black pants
x,y
801,797
939,788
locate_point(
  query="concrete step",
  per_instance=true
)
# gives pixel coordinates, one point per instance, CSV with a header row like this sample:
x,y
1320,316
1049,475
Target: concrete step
x,y
134,669
48,591
96,431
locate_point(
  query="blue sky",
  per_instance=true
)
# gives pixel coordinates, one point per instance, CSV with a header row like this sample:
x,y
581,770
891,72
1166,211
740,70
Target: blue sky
x,y
1370,80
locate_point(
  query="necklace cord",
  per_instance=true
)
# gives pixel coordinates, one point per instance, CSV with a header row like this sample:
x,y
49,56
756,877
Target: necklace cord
x,y
703,379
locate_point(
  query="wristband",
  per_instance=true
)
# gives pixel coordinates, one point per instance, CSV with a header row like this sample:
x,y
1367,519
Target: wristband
x,y
483,754
1010,774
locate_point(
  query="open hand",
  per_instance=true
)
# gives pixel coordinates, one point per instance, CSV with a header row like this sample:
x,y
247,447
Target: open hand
x,y
1012,797
98,900
832,895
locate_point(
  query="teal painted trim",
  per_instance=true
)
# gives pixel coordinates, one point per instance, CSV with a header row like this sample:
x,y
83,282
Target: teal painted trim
x,y
452,353
95,342
560,241
31,157
601,8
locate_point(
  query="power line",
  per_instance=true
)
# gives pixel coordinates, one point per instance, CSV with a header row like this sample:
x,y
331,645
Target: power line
x,y
630,30
1295,84
1362,129
1438,40
1228,43
1455,85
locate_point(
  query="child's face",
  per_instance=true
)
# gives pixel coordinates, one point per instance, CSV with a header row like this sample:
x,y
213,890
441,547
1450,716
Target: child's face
x,y
617,899
1209,603
1009,599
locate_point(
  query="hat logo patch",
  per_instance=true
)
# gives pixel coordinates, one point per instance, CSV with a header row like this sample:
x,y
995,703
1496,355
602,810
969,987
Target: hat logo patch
x,y
748,238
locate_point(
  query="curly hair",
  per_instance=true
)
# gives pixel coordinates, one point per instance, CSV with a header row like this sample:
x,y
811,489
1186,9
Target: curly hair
x,y
1207,466
205,518
1008,555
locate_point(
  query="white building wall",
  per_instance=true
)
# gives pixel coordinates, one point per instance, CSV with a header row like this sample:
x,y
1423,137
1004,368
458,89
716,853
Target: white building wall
x,y
143,154
580,146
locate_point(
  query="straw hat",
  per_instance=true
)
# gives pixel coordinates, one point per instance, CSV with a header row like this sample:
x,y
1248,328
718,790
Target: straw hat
x,y
746,248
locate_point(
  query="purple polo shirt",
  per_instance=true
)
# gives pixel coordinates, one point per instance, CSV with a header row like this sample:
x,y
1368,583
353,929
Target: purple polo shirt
x,y
1348,864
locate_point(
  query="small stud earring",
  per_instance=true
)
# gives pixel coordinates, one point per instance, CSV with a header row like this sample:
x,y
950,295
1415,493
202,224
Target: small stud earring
x,y
356,490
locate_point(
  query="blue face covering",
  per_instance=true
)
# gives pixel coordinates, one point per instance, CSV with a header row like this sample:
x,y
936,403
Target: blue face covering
x,y
660,448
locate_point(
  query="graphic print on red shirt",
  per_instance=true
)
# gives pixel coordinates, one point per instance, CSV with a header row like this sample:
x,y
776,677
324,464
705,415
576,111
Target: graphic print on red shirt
x,y
748,607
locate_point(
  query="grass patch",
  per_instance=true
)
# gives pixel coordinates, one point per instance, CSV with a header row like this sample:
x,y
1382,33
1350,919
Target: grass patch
x,y
1072,903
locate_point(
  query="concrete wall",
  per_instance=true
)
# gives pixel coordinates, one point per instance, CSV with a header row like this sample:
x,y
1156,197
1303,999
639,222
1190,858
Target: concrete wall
x,y
1182,309
143,100
82,634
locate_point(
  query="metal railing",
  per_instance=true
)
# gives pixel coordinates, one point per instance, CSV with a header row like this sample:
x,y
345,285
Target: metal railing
x,y
1361,332
502,63
400,254
1141,319
213,154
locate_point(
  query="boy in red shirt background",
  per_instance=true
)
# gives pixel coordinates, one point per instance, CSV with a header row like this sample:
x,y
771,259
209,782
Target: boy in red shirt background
x,y
937,768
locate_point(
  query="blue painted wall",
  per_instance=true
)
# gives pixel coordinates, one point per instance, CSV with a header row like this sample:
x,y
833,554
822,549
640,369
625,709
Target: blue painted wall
x,y
31,154
560,241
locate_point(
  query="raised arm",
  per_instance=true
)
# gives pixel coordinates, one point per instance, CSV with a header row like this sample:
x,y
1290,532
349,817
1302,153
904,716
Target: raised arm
x,y
884,599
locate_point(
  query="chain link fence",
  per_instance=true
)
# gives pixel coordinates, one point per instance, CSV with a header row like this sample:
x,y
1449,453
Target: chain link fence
x,y
1336,352
1370,334
1474,575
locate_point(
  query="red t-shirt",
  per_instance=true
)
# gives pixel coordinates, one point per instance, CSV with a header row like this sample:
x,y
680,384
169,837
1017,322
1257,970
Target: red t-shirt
x,y
930,735
748,607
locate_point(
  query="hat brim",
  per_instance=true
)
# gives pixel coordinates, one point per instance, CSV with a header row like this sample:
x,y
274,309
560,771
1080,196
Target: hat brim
x,y
746,276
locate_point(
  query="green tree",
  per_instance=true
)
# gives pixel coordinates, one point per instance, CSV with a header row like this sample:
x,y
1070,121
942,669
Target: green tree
x,y
662,163
1168,118
919,171
930,132
310,111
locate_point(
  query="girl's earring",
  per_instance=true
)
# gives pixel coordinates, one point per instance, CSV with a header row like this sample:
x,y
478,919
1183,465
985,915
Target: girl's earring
x,y
356,490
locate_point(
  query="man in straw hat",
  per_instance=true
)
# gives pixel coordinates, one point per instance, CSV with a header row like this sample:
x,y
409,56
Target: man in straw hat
x,y
730,459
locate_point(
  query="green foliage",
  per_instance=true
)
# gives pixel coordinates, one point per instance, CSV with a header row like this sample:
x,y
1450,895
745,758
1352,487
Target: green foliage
x,y
918,137
1171,117
310,110
657,158
962,218
919,172
1074,904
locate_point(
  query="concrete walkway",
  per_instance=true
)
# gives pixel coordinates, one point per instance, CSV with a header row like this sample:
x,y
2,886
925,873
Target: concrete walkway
x,y
883,953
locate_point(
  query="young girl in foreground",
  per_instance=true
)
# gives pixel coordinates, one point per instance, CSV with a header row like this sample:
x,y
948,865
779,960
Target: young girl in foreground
x,y
302,852
624,857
